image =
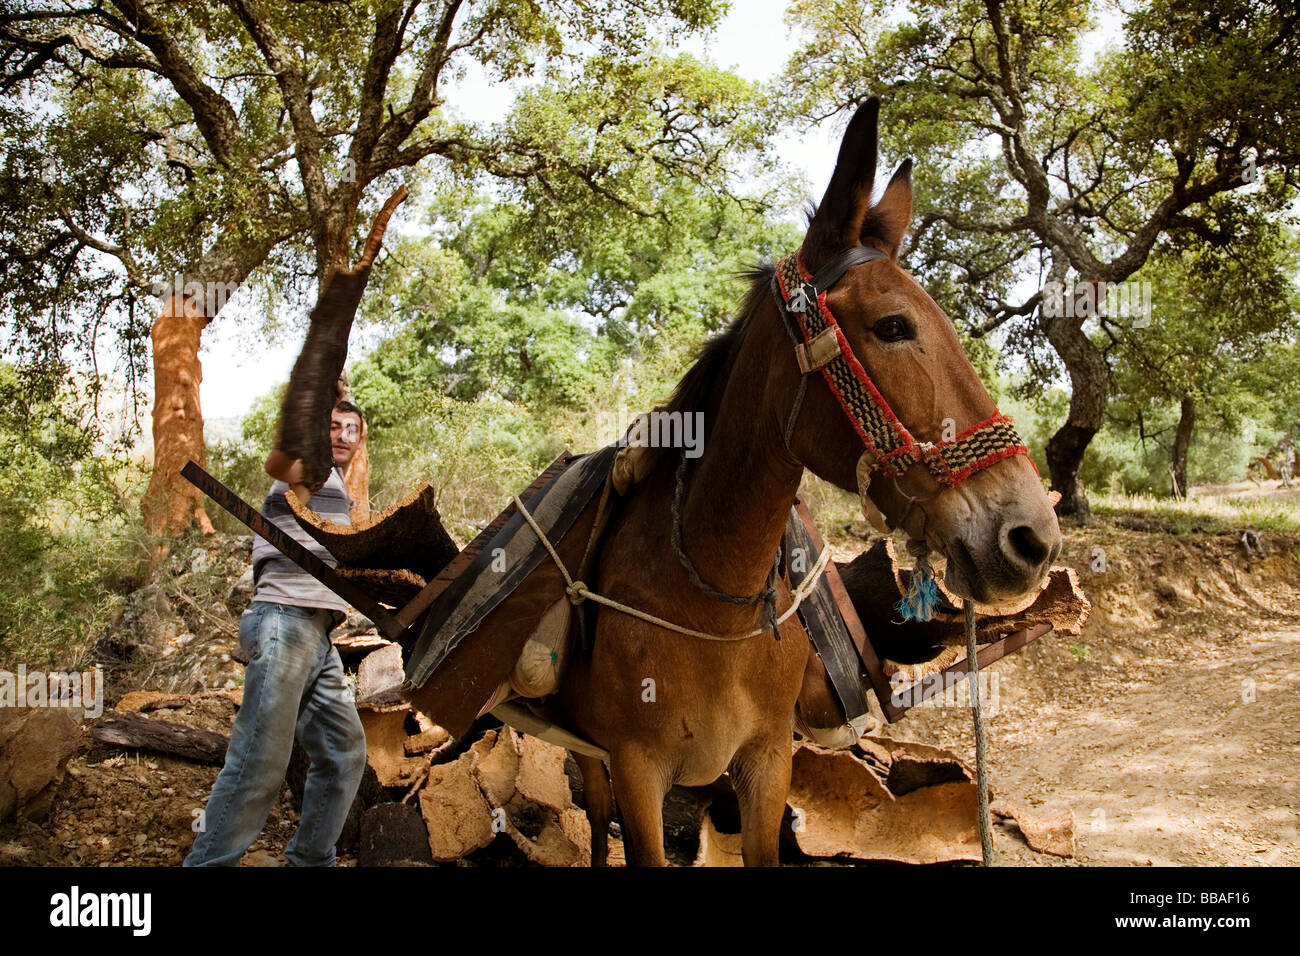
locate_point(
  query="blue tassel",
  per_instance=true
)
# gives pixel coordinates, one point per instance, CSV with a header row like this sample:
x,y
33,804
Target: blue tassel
x,y
922,595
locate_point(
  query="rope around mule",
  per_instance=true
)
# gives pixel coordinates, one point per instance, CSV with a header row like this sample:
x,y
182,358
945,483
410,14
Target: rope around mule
x,y
577,591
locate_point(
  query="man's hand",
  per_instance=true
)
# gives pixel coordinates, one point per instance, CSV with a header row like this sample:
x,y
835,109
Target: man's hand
x,y
280,467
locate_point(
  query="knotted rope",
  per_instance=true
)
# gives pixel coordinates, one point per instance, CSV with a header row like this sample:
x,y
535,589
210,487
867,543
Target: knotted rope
x,y
922,595
577,591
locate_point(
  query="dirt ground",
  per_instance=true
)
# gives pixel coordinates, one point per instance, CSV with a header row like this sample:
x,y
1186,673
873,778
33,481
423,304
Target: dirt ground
x,y
120,809
1249,489
1169,727
1172,727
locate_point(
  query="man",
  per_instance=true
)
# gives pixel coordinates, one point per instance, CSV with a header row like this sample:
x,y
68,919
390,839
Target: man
x,y
293,687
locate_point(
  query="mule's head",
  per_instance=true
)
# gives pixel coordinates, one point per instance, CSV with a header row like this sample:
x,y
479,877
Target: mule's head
x,y
992,520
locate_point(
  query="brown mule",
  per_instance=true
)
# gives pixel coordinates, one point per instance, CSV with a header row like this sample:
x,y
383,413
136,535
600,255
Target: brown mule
x,y
674,709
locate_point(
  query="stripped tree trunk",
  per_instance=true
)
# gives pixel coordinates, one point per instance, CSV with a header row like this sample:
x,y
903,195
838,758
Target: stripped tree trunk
x,y
357,476
1182,442
1269,468
171,503
357,480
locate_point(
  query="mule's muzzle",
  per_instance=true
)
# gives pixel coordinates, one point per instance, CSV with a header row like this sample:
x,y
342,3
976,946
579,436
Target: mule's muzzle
x,y
1029,548
1029,538
1001,540
1016,565
962,575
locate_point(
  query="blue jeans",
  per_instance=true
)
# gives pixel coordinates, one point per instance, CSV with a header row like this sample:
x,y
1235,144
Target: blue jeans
x,y
293,687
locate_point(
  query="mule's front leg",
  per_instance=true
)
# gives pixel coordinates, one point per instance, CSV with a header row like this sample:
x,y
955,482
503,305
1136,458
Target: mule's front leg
x,y
640,785
760,774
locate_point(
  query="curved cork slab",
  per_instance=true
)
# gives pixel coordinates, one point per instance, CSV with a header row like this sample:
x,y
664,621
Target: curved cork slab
x,y
407,536
875,581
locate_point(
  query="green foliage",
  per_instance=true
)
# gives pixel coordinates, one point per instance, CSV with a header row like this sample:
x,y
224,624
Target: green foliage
x,y
1033,153
1206,71
1219,317
1203,514
239,464
125,165
1269,386
562,318
68,532
476,454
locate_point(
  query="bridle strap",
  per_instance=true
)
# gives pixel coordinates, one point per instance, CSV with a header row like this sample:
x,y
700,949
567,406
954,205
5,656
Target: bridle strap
x,y
819,344
796,339
812,355
834,270
822,348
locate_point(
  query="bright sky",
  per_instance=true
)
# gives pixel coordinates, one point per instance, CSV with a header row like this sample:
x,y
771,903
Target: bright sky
x,y
753,40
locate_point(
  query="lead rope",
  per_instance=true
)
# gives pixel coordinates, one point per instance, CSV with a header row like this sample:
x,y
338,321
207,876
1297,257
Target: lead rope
x,y
577,591
981,751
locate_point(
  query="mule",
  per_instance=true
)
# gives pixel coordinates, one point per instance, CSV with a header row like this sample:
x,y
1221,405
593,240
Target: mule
x,y
677,709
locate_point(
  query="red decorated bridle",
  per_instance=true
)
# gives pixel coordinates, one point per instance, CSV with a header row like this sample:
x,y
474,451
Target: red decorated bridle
x,y
819,344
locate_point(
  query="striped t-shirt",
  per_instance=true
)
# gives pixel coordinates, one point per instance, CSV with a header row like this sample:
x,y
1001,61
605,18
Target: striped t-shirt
x,y
276,579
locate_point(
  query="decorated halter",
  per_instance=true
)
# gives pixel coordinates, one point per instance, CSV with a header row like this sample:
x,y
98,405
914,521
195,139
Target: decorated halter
x,y
820,345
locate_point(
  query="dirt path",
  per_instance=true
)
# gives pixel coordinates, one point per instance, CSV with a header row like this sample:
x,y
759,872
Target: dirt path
x,y
1175,736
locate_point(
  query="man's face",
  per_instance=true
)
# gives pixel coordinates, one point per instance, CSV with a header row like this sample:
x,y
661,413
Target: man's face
x,y
345,436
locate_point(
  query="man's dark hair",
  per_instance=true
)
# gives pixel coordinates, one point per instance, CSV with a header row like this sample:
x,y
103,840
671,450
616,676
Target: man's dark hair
x,y
348,408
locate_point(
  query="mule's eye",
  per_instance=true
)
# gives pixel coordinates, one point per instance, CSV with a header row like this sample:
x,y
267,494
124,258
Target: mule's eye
x,y
893,328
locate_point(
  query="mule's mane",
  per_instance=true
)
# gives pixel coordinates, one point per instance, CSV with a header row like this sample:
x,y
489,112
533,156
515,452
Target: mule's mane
x,y
705,379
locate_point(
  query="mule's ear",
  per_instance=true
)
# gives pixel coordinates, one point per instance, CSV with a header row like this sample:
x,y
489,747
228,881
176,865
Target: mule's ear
x,y
838,222
888,219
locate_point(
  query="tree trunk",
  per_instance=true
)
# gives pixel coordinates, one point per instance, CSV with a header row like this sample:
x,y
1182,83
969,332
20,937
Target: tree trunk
x,y
1269,468
137,732
171,505
1089,385
1065,451
1182,442
357,480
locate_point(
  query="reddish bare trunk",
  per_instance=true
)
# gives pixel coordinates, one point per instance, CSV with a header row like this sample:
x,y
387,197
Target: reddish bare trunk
x,y
357,480
172,504
1269,469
